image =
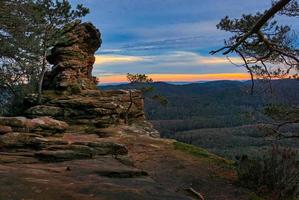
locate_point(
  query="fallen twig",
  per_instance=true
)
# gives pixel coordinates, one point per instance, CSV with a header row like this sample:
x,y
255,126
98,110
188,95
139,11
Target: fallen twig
x,y
194,192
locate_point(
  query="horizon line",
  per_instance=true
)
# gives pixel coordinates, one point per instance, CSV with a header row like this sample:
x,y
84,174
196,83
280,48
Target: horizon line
x,y
122,78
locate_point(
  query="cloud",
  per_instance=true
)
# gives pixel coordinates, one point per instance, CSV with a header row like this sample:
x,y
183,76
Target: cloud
x,y
179,36
125,22
192,59
219,60
174,57
112,58
165,63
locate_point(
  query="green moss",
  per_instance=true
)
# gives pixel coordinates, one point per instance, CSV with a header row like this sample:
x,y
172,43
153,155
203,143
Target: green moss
x,y
201,153
195,151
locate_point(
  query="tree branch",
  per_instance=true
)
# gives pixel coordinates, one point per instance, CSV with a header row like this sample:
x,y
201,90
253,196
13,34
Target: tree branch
x,y
260,23
249,70
286,123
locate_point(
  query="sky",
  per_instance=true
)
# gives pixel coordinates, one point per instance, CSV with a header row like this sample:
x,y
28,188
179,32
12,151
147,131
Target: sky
x,y
169,40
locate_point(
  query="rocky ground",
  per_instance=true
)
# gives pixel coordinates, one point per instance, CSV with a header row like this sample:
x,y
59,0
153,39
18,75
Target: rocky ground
x,y
120,162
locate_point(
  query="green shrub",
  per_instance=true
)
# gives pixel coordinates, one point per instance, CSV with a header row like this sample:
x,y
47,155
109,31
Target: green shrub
x,y
275,175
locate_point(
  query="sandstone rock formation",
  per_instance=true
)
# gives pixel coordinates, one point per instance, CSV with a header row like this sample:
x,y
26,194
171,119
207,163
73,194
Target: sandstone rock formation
x,y
44,139
42,125
73,59
91,107
5,129
70,90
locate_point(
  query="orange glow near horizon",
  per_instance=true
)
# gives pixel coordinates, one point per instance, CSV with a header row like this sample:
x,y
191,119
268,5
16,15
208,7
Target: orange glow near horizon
x,y
179,77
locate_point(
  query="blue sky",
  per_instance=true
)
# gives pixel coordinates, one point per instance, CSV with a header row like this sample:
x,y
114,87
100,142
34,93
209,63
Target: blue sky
x,y
163,36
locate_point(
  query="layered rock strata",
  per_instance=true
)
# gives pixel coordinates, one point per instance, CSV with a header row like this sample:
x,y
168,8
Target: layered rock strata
x,y
45,139
73,59
92,107
70,91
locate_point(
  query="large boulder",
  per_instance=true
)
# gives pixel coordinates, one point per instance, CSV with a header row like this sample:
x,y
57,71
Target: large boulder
x,y
42,125
13,141
49,124
5,129
70,92
73,59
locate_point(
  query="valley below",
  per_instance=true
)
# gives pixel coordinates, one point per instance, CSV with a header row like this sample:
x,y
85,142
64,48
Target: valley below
x,y
221,116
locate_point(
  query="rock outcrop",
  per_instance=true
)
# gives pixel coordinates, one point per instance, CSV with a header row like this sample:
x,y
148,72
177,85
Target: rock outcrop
x,y
91,107
71,92
73,59
42,125
5,129
128,165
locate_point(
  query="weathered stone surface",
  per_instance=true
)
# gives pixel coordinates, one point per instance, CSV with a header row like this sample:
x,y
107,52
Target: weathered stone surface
x,y
80,150
17,158
100,179
21,140
44,125
5,129
61,155
104,148
49,124
58,149
99,108
73,59
21,122
16,141
99,132
42,110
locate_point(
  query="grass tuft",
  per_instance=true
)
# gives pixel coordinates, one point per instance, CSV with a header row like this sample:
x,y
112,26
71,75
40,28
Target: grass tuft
x,y
200,153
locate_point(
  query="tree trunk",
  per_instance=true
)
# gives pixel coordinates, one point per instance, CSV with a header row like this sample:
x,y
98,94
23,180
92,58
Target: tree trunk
x,y
41,79
129,108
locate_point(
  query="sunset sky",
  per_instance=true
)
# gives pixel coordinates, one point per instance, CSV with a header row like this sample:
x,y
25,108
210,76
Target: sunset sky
x,y
169,40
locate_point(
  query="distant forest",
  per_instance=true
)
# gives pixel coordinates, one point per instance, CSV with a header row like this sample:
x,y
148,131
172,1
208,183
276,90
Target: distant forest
x,y
216,104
